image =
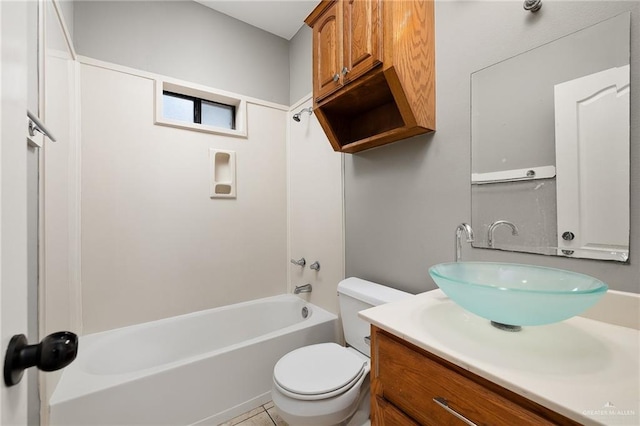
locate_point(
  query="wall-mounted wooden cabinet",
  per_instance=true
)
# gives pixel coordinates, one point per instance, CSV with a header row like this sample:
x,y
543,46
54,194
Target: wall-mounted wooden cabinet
x,y
410,386
347,43
373,71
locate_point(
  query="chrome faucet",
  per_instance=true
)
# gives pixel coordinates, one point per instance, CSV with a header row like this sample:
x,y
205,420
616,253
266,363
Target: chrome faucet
x,y
494,225
302,289
466,228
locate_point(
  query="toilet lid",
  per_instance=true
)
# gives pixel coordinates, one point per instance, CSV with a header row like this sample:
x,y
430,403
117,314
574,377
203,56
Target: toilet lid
x,y
318,369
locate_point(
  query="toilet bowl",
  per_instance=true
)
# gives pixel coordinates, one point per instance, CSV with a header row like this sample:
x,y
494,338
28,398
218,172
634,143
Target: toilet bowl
x,y
328,384
321,385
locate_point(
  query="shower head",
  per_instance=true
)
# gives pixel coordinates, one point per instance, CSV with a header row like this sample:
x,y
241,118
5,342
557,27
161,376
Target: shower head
x,y
296,116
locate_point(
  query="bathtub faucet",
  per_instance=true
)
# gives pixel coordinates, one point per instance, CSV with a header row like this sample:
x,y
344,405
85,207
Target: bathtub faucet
x,y
302,289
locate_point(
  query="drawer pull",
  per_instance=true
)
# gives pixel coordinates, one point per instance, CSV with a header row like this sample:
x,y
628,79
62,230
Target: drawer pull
x,y
443,403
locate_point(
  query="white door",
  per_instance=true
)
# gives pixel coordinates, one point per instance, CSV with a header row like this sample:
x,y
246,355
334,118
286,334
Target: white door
x,y
13,196
592,133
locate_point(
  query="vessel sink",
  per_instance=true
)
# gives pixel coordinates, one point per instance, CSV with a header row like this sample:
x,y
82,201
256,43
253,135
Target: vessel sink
x,y
513,295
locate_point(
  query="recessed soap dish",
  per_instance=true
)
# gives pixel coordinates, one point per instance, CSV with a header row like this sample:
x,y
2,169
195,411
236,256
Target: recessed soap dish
x,y
223,173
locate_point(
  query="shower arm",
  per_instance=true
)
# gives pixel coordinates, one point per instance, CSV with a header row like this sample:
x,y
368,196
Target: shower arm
x,y
296,116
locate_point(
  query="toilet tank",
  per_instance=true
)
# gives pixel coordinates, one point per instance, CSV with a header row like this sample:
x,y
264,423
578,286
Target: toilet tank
x,y
355,295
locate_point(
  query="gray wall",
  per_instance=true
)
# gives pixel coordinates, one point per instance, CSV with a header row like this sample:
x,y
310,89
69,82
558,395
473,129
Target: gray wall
x,y
512,102
185,40
403,201
67,9
300,60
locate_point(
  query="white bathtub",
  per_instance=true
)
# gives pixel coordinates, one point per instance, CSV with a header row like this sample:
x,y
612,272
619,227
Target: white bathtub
x,y
202,368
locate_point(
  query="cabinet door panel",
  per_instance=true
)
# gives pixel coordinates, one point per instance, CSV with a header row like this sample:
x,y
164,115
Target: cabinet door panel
x,y
362,36
388,415
328,53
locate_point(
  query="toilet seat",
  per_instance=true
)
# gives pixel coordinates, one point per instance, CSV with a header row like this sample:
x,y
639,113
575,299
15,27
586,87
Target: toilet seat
x,y
315,397
318,372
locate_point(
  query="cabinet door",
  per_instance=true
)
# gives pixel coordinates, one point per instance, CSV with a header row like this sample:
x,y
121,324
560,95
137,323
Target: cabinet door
x,y
362,35
327,58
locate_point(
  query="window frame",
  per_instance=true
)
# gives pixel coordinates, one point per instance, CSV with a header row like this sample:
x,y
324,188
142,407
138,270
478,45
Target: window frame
x,y
198,94
197,107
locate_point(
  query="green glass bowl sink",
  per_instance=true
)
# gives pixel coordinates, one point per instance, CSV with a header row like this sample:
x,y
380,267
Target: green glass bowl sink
x,y
514,295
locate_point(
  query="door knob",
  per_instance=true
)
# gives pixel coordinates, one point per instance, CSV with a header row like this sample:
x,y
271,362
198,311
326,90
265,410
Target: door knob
x,y
54,352
336,77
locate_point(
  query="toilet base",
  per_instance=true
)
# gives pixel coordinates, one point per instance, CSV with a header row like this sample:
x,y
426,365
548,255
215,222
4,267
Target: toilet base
x,y
362,414
319,413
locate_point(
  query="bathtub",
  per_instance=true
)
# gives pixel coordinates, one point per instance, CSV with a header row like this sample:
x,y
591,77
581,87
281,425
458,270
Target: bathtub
x,y
202,368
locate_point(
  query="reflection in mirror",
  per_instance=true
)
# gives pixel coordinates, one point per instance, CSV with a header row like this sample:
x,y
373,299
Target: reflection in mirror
x,y
550,147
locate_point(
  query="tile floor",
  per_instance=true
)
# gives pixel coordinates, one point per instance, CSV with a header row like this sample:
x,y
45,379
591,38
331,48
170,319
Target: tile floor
x,y
265,415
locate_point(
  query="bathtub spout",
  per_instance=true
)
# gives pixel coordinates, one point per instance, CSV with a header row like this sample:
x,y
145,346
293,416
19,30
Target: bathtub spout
x,y
302,289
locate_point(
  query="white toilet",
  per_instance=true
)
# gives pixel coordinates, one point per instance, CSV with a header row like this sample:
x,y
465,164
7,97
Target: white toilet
x,y
328,384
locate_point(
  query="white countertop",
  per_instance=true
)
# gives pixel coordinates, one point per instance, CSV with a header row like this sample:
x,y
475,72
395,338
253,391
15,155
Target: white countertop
x,y
586,370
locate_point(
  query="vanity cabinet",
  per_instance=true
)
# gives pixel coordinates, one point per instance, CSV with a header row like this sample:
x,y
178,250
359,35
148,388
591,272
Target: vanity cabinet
x,y
373,71
411,386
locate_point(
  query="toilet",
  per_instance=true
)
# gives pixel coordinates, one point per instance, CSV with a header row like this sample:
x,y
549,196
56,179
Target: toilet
x,y
328,384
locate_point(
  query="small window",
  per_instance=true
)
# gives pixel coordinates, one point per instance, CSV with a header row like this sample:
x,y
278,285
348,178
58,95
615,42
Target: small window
x,y
178,107
190,109
217,115
198,108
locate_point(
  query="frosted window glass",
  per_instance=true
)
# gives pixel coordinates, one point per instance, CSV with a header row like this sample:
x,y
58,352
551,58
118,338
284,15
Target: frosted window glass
x,y
217,115
175,108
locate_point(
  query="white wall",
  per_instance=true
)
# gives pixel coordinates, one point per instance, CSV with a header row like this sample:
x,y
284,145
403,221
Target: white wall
x,y
185,40
59,198
315,209
154,244
59,168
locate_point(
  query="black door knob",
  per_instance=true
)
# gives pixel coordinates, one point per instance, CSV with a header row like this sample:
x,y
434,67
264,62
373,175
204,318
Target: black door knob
x,y
54,352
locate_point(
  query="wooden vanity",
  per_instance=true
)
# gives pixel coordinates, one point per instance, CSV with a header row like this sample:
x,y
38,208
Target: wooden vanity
x,y
410,386
433,363
373,70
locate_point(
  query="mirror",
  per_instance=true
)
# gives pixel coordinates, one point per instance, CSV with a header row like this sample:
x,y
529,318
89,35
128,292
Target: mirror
x,y
550,147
